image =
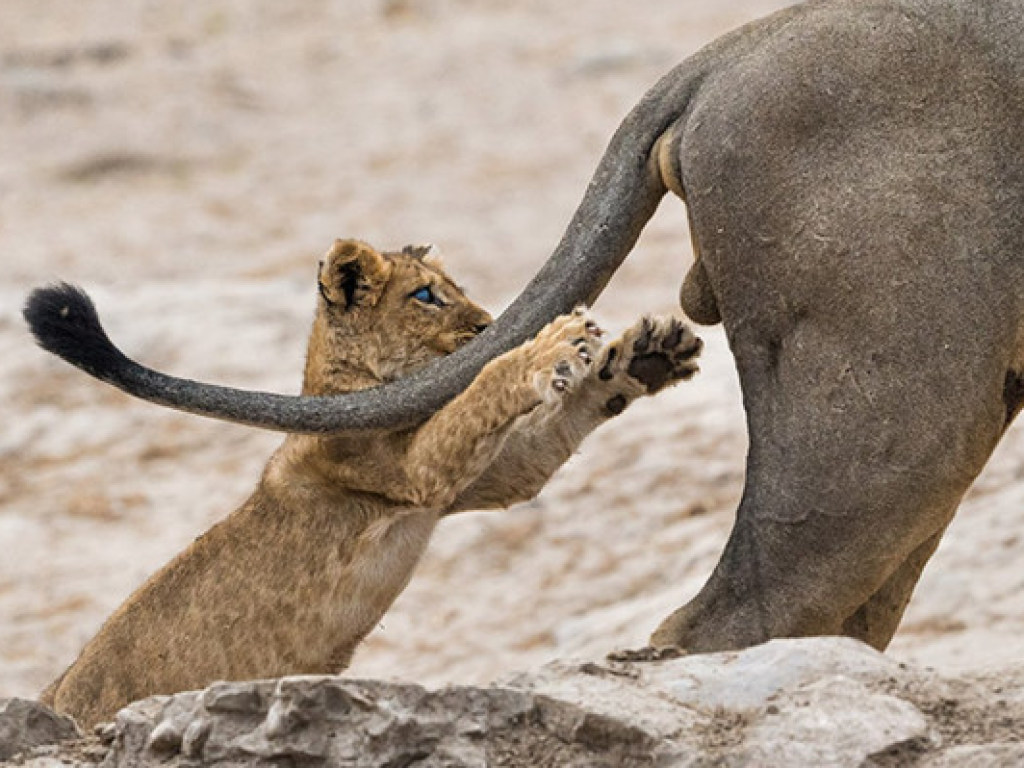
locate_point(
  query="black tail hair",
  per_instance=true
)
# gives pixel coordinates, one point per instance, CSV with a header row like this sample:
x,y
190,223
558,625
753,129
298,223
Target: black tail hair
x,y
622,196
64,321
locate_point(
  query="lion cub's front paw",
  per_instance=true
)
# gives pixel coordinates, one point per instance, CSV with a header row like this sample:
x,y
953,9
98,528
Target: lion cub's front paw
x,y
655,352
562,354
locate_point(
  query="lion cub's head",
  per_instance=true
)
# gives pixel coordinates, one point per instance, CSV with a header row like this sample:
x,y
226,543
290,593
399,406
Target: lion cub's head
x,y
381,316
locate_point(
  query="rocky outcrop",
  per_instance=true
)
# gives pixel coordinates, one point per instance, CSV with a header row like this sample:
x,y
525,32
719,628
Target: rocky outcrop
x,y
27,724
824,701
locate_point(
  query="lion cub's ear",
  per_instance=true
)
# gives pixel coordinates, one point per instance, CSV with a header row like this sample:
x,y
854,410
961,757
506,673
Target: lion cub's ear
x,y
428,252
353,274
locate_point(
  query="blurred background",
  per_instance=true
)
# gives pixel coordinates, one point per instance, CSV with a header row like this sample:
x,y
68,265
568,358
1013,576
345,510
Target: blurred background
x,y
188,163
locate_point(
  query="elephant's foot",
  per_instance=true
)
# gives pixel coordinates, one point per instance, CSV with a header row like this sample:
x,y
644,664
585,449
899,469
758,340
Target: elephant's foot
x,y
725,616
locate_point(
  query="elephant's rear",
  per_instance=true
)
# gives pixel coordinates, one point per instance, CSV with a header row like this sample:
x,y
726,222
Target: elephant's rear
x,y
854,173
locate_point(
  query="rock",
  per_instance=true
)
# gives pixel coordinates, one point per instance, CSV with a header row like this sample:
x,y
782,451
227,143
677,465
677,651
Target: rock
x,y
820,701
26,724
749,680
991,756
834,721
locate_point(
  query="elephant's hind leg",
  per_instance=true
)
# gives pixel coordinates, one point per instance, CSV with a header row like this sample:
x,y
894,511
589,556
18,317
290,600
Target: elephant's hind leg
x,y
875,622
860,451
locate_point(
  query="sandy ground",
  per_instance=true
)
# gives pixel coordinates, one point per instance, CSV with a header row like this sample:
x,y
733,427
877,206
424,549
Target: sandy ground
x,y
187,165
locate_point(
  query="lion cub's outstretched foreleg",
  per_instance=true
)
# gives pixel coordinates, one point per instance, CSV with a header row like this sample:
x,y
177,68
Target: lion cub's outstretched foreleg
x,y
651,355
530,384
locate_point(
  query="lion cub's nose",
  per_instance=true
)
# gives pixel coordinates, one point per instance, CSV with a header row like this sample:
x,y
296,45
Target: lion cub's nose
x,y
480,328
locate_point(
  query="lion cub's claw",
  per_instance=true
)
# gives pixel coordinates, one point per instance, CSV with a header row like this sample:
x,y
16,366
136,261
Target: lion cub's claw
x,y
660,352
563,354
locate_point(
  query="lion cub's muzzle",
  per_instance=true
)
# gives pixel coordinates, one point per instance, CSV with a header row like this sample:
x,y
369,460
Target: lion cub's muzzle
x,y
464,337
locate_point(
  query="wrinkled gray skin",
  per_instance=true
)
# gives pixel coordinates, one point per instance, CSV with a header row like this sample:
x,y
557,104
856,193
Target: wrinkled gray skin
x,y
854,175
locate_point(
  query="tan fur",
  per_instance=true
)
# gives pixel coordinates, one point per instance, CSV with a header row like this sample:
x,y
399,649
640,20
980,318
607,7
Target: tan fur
x,y
294,579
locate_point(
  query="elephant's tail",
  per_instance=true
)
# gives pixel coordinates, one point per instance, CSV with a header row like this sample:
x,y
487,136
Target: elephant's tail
x,y
630,180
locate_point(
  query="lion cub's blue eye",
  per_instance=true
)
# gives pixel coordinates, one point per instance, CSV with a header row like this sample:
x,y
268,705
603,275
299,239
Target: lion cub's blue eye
x,y
426,295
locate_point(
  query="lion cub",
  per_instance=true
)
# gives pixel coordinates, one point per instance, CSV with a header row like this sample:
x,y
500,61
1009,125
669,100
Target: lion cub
x,y
294,579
